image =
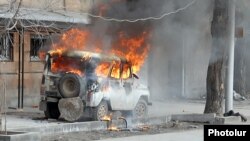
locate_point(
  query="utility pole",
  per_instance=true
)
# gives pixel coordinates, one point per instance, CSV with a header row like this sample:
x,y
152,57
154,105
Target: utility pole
x,y
183,69
230,65
0,114
1,104
3,125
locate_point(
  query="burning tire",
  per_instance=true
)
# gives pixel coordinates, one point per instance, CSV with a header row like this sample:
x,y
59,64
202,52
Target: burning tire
x,y
52,110
70,85
100,111
141,109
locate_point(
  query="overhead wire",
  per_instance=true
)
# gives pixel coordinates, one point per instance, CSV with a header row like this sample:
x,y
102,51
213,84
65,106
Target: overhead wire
x,y
115,19
143,19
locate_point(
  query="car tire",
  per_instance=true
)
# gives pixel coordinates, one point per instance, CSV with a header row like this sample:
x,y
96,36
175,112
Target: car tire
x,y
71,109
52,110
70,85
141,109
100,111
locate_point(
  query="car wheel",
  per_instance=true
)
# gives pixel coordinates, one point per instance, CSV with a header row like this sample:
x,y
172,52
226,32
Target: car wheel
x,y
71,109
70,85
141,109
100,111
52,110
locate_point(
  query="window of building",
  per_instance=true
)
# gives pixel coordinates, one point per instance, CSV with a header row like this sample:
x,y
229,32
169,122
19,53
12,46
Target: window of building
x,y
6,47
37,42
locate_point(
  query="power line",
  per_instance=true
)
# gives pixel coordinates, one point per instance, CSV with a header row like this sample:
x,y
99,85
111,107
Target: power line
x,y
120,20
142,19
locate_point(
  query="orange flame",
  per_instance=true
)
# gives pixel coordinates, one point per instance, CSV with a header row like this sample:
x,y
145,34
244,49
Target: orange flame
x,y
61,64
103,69
75,71
72,39
135,49
113,128
106,118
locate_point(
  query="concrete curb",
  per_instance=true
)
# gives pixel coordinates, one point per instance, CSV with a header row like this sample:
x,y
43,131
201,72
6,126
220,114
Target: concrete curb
x,y
91,126
20,136
204,118
66,127
152,120
207,118
228,120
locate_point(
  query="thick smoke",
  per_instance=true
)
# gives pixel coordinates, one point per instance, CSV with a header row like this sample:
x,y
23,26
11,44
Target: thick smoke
x,y
181,51
242,59
180,43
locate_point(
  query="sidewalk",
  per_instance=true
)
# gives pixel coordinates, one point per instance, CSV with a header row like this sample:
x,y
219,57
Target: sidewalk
x,y
27,117
192,107
32,117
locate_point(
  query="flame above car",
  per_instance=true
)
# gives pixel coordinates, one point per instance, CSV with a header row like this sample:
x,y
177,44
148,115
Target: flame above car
x,y
134,49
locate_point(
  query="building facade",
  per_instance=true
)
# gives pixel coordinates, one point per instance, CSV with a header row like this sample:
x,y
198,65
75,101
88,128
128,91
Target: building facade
x,y
30,25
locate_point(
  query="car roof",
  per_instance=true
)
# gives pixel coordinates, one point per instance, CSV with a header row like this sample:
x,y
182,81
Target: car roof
x,y
82,54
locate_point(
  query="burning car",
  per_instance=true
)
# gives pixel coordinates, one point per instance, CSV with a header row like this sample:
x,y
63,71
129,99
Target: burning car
x,y
78,82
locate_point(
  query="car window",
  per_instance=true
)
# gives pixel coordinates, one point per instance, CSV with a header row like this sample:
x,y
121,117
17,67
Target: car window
x,y
66,64
103,69
126,72
115,72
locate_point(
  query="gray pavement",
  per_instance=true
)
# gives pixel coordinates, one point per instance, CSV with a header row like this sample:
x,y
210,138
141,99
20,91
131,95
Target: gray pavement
x,y
190,135
29,117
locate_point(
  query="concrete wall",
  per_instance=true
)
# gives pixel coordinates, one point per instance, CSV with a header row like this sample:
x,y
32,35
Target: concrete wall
x,y
32,75
9,70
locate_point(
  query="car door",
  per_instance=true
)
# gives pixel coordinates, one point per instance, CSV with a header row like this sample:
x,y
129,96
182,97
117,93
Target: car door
x,y
127,83
117,91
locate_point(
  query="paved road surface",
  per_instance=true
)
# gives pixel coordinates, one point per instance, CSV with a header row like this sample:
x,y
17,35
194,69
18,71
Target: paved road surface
x,y
193,135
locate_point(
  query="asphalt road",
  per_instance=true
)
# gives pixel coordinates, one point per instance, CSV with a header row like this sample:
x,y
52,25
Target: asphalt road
x,y
191,135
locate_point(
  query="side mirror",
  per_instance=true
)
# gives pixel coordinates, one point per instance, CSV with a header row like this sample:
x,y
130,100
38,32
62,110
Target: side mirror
x,y
135,76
